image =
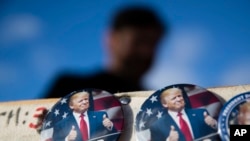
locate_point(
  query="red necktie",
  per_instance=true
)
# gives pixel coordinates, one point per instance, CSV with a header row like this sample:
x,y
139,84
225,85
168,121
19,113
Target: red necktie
x,y
83,128
184,128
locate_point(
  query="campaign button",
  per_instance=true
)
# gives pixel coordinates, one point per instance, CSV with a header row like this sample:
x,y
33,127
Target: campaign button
x,y
179,112
89,114
236,111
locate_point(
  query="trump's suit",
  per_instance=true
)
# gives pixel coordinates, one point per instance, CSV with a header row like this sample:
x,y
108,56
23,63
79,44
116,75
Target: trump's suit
x,y
160,129
63,127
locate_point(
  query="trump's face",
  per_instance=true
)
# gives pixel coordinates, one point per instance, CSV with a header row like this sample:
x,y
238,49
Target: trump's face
x,y
244,117
79,102
173,100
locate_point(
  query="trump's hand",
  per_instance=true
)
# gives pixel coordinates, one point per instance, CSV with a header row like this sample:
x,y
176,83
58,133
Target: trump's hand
x,y
173,134
107,122
209,120
72,134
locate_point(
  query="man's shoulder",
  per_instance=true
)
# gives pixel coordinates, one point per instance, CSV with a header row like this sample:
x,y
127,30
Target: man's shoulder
x,y
65,83
76,80
67,77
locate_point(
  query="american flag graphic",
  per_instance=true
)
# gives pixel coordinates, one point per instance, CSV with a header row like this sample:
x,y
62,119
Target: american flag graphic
x,y
99,101
194,96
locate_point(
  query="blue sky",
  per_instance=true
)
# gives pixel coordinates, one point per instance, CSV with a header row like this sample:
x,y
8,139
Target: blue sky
x,y
208,44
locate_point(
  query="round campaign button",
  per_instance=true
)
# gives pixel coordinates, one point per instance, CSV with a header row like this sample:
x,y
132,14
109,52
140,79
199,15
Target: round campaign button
x,y
235,112
182,112
84,115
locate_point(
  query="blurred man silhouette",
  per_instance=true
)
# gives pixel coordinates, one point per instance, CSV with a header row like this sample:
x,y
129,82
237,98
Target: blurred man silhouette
x,y
134,35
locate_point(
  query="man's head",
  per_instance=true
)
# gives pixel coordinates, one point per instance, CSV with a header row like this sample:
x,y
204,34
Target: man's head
x,y
172,99
244,114
79,102
135,33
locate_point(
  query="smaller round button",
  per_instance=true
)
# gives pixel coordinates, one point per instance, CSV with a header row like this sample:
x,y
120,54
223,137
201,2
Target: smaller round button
x,y
236,111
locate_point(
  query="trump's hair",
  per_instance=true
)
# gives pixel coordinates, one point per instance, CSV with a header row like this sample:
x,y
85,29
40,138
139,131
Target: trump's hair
x,y
167,92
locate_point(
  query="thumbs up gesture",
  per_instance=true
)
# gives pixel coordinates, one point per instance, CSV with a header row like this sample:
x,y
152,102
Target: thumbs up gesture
x,y
209,120
107,122
173,134
72,134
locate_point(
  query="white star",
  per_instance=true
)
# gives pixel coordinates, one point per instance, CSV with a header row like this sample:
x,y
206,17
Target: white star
x,y
64,115
47,123
64,100
159,114
149,112
142,124
56,112
153,99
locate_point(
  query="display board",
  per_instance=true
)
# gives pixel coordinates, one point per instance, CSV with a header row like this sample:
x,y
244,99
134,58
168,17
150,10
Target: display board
x,y
22,120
